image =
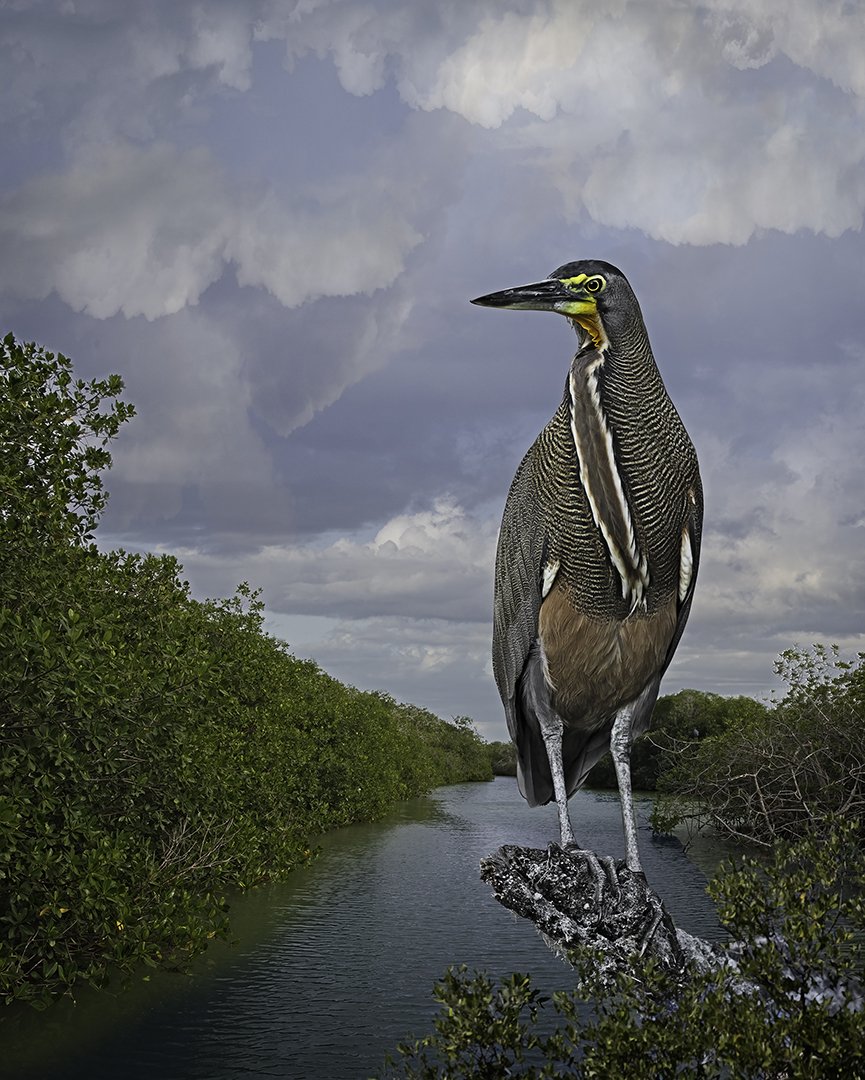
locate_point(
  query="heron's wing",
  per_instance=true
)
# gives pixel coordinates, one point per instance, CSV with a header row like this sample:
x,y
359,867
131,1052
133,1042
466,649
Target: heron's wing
x,y
518,593
693,529
519,563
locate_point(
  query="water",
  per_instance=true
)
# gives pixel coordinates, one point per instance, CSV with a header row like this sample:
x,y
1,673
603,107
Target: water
x,y
334,966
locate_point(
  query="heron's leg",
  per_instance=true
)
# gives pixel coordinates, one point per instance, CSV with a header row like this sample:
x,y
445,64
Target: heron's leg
x,y
620,749
552,729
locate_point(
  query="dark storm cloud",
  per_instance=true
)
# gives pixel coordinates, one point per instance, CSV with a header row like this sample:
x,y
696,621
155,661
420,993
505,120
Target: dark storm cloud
x,y
269,218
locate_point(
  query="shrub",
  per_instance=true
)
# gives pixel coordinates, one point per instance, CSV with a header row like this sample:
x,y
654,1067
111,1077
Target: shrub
x,y
503,758
679,723
780,772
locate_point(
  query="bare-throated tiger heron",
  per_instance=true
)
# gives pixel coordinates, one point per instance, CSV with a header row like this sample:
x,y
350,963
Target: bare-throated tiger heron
x,y
598,549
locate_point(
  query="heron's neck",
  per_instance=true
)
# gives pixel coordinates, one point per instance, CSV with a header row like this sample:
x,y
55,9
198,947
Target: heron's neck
x,y
600,472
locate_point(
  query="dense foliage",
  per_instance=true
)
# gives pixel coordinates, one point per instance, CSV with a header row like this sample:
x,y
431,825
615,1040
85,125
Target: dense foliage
x,y
771,773
155,750
503,758
788,1006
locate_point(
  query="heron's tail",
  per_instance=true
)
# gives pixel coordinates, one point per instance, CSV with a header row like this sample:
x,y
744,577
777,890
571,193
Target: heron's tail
x,y
580,752
580,748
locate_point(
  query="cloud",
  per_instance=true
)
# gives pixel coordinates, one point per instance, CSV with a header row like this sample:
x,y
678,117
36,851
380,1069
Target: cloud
x,y
685,142
793,556
105,70
269,215
782,547
430,564
219,389
787,172
191,461
694,141
352,244
442,662
134,230
824,38
315,358
145,230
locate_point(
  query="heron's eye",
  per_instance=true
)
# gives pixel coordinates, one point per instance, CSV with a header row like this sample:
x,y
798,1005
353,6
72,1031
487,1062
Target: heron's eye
x,y
595,284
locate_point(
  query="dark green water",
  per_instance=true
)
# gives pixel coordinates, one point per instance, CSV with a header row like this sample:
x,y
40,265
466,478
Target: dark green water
x,y
333,967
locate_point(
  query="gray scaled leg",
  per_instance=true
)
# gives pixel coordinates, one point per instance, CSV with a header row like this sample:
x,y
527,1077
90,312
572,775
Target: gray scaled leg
x,y
620,749
552,729
536,694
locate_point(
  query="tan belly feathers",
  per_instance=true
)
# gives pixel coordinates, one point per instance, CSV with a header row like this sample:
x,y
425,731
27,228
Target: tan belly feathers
x,y
600,664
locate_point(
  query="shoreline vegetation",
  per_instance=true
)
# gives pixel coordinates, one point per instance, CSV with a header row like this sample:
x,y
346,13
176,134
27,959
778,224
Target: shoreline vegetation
x,y
787,1004
156,750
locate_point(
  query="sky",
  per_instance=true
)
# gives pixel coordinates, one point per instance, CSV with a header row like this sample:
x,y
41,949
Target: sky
x,y
268,216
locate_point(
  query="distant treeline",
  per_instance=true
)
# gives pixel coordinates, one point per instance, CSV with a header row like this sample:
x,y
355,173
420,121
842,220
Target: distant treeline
x,y
155,750
680,721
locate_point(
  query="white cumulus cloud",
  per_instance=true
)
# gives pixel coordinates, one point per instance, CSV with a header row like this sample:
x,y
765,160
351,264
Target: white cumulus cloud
x,y
434,564
660,116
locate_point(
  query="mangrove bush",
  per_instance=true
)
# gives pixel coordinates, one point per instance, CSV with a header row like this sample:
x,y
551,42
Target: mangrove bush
x,y
780,772
154,750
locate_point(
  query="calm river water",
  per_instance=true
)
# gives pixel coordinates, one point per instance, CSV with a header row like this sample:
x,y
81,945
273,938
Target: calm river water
x,y
333,967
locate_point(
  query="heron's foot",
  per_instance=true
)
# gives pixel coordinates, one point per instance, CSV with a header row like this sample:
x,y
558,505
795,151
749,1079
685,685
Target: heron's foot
x,y
602,869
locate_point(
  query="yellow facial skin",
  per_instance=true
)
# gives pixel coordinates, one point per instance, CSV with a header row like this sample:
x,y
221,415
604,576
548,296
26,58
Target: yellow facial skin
x,y
584,309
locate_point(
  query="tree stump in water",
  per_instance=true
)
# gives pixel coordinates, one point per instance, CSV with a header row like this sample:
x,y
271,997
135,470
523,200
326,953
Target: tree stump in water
x,y
578,901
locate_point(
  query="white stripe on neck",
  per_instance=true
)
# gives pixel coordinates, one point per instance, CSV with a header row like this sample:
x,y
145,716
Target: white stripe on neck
x,y
631,565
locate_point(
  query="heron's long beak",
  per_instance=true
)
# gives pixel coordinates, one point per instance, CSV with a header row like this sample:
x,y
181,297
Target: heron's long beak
x,y
539,296
554,294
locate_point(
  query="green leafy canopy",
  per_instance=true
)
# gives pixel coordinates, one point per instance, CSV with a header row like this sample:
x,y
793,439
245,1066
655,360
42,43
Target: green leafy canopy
x,y
155,751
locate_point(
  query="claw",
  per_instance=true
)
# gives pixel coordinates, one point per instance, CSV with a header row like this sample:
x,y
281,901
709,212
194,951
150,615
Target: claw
x,y
598,865
612,875
658,914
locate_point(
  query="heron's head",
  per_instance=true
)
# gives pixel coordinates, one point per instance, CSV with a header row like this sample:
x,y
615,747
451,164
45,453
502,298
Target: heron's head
x,y
593,294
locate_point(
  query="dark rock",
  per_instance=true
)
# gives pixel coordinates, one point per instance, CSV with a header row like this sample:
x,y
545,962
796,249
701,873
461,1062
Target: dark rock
x,y
578,901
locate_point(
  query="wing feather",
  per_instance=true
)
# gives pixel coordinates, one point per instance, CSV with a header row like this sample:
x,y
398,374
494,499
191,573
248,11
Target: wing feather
x,y
694,526
520,561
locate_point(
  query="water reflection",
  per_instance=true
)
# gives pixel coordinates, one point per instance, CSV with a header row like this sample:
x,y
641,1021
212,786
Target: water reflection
x,y
334,966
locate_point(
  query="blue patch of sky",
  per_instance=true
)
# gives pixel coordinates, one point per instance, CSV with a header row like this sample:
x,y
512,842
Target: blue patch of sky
x,y
298,126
